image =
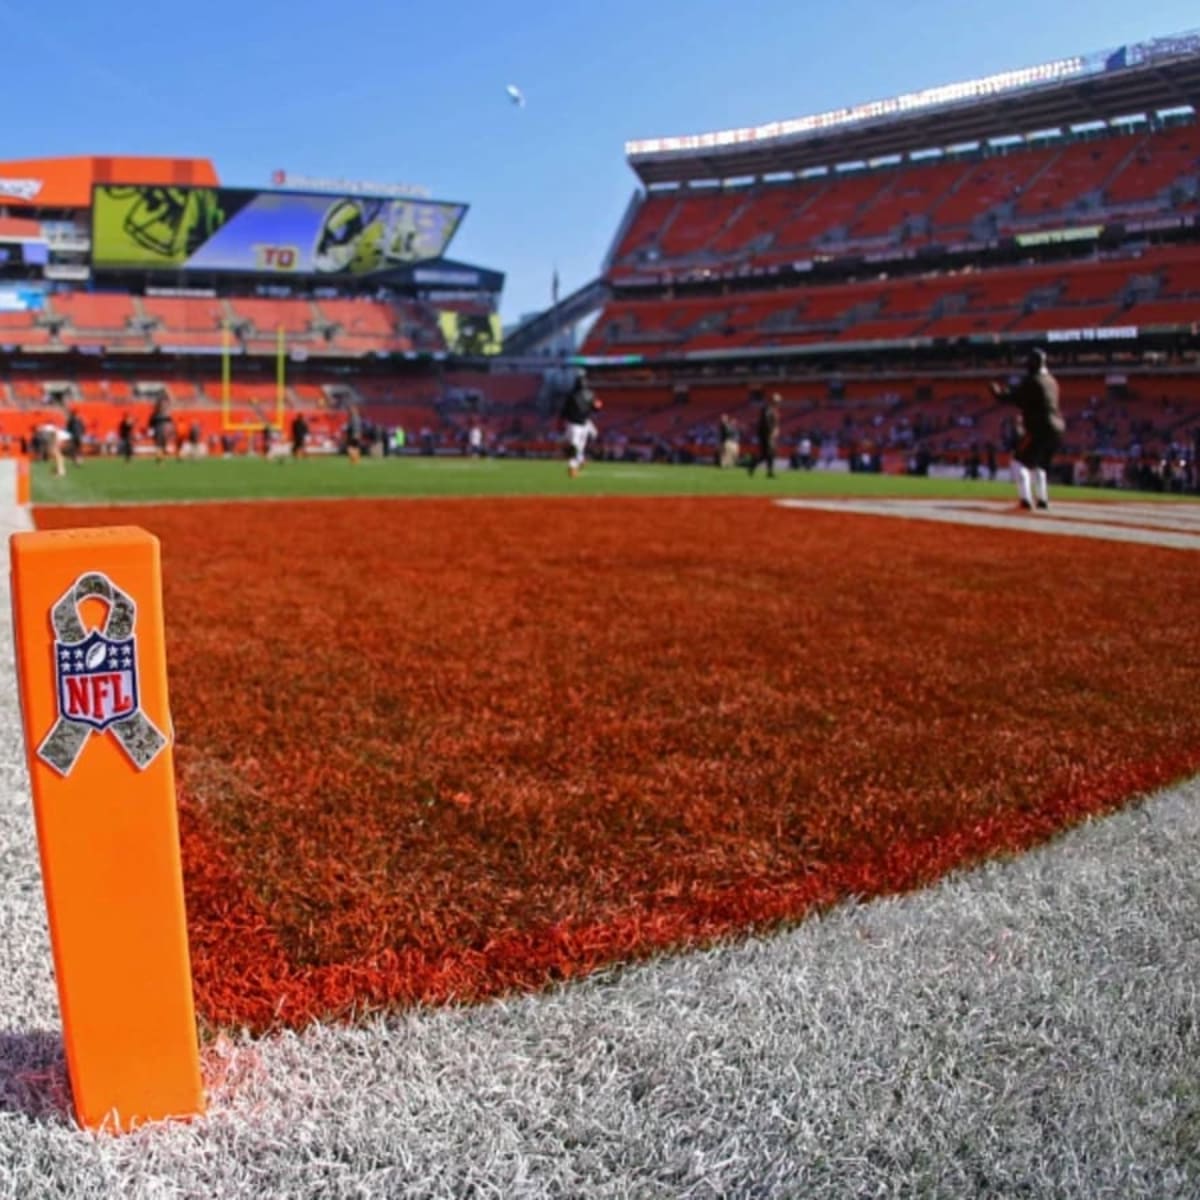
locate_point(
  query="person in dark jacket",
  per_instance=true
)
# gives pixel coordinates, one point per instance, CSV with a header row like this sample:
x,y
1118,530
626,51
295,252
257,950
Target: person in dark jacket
x,y
354,434
299,436
768,435
577,411
161,426
75,432
125,433
1042,426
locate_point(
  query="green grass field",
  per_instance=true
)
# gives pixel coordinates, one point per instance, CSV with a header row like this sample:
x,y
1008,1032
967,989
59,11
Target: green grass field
x,y
101,481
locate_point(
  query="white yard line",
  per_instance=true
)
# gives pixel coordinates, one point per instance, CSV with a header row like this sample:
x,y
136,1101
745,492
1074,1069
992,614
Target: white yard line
x,y
1103,522
28,1002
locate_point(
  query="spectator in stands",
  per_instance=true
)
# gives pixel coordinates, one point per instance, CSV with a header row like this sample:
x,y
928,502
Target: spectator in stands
x,y
125,437
768,435
577,411
299,436
1036,397
730,444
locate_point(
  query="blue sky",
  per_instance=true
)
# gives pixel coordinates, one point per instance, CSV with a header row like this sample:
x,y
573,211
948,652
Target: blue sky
x,y
412,92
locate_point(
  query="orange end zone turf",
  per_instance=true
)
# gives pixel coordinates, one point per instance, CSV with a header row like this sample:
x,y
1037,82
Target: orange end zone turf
x,y
436,750
91,663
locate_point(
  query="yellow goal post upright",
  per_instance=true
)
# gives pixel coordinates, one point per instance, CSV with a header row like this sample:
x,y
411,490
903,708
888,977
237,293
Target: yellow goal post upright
x,y
228,424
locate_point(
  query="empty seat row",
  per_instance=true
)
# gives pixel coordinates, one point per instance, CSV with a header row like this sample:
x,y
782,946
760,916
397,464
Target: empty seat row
x,y
1159,287
912,203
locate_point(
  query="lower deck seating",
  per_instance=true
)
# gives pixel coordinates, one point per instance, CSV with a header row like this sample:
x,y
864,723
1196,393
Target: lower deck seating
x,y
1156,286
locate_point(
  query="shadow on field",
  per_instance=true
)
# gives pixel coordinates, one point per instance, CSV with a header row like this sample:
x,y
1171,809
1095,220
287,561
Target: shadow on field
x,y
33,1075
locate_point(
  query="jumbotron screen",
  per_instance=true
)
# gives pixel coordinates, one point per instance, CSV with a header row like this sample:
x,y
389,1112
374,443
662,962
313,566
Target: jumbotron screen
x,y
141,227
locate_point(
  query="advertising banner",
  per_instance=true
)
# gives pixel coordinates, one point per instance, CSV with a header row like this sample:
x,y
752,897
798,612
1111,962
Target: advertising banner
x,y
471,334
219,230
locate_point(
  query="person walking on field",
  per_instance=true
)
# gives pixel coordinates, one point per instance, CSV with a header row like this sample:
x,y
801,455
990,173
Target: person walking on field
x,y
125,433
577,411
53,438
354,434
160,427
728,436
75,432
768,435
1036,397
299,436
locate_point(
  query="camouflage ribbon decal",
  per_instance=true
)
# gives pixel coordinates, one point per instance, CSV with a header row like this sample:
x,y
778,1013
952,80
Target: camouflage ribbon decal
x,y
96,677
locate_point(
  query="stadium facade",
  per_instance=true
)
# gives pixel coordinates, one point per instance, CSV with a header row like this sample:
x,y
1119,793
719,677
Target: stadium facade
x,y
123,279
878,264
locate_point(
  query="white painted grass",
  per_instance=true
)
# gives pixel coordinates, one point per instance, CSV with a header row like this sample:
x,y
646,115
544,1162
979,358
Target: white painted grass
x,y
1174,525
1031,1028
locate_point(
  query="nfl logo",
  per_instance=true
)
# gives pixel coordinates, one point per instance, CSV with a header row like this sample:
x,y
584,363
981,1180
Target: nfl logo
x,y
97,680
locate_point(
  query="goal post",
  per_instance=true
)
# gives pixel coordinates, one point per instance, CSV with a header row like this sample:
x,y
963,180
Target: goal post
x,y
228,424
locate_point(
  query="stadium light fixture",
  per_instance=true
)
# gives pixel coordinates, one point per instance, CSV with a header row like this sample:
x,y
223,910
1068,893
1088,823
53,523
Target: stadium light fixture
x,y
1003,82
973,89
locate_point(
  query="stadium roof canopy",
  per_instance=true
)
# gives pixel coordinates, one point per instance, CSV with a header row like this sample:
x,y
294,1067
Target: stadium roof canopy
x,y
1148,77
67,182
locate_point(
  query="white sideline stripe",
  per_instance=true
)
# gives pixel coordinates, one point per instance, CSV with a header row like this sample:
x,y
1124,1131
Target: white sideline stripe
x,y
1104,522
1182,517
8,483
28,1001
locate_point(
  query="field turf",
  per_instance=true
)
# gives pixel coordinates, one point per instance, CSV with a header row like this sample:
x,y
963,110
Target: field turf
x,y
107,481
440,751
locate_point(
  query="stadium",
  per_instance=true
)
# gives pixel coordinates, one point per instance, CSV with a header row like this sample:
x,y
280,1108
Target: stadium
x,y
655,829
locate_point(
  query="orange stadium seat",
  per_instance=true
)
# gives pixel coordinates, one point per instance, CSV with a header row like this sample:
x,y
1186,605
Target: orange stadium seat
x,y
652,216
1041,297
94,311
177,312
294,317
1022,189
365,318
698,220
1079,170
990,183
907,196
1160,160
